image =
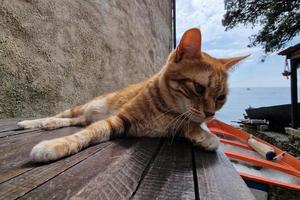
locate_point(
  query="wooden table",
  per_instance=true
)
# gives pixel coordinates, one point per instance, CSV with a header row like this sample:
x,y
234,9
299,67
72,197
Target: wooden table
x,y
126,168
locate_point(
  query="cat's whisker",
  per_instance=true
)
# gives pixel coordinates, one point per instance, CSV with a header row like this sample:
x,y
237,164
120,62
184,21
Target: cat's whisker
x,y
189,121
188,116
178,126
171,123
176,118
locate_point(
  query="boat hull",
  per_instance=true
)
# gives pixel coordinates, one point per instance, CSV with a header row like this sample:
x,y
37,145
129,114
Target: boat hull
x,y
236,147
279,116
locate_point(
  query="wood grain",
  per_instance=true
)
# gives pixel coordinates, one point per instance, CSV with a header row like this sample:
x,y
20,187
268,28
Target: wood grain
x,y
121,178
217,178
170,176
127,168
72,180
6,134
14,151
9,124
22,184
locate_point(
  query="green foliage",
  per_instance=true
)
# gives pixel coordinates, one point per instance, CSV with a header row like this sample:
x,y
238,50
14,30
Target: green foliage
x,y
279,19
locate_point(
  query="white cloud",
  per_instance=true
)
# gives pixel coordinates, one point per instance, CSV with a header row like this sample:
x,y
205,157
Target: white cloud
x,y
231,52
203,14
207,15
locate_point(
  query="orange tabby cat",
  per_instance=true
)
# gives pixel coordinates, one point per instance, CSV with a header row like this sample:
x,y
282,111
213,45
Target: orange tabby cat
x,y
186,92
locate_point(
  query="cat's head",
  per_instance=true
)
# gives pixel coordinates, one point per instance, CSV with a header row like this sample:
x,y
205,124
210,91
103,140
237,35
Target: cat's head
x,y
196,81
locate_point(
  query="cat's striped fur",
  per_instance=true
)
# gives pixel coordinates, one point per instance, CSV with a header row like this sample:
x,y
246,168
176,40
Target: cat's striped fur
x,y
187,91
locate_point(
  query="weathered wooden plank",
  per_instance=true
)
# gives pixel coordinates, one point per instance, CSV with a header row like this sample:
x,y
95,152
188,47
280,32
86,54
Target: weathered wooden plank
x,y
217,178
9,124
71,181
22,184
120,179
14,151
9,121
8,133
170,176
115,170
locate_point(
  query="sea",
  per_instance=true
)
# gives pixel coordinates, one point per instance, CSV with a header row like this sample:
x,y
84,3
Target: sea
x,y
240,99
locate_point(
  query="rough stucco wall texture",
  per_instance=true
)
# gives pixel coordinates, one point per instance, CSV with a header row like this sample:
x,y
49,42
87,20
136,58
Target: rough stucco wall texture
x,y
54,54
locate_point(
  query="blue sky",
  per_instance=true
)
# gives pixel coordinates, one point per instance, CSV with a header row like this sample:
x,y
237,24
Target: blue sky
x,y
207,15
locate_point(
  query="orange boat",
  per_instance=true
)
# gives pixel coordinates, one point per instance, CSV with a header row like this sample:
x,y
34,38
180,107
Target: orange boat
x,y
283,170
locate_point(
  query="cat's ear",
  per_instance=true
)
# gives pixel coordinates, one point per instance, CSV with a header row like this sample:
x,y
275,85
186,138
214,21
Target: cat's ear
x,y
190,45
230,62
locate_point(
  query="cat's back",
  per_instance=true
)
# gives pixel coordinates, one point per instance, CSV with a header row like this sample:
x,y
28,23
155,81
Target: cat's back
x,y
119,98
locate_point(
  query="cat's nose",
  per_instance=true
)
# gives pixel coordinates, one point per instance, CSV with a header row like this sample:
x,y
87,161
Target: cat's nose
x,y
209,114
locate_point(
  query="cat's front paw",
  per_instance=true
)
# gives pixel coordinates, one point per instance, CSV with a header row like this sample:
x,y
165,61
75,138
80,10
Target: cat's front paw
x,y
26,124
209,142
49,150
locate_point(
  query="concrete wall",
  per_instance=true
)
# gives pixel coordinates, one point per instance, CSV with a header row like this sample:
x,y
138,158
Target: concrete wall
x,y
54,54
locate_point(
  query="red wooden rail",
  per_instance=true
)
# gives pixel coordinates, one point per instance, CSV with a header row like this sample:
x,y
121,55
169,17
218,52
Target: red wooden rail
x,y
287,163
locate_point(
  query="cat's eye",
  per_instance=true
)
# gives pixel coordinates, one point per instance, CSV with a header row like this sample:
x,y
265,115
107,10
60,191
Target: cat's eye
x,y
200,89
221,97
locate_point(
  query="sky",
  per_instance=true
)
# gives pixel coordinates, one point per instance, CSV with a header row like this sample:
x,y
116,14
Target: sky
x,y
207,15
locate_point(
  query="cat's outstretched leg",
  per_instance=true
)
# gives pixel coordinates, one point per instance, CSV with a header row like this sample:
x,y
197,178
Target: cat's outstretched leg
x,y
52,123
78,115
203,138
63,119
100,131
72,112
35,123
